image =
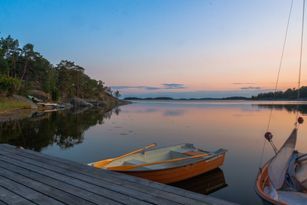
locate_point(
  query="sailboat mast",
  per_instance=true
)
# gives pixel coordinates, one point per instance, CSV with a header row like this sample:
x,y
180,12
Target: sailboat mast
x,y
301,52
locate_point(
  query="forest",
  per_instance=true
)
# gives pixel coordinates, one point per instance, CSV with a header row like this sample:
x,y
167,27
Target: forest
x,y
25,71
289,94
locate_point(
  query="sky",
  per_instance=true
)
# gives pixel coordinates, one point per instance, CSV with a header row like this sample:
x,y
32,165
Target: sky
x,y
177,48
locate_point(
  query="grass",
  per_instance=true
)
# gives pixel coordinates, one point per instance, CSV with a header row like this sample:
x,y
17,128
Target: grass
x,y
8,104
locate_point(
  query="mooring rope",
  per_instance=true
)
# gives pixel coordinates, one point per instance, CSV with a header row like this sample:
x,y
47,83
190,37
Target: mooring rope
x,y
278,76
281,60
301,52
300,63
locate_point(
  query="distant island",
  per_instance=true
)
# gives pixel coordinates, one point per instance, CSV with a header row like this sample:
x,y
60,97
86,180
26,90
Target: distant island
x,y
289,94
170,98
26,76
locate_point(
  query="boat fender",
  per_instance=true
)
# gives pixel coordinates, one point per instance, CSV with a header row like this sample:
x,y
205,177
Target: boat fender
x,y
268,136
300,120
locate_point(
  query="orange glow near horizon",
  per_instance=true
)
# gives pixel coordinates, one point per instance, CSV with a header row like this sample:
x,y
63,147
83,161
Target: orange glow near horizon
x,y
204,45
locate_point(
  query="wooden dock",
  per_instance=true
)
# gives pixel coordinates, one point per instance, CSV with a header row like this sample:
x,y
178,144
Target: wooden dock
x,y
28,177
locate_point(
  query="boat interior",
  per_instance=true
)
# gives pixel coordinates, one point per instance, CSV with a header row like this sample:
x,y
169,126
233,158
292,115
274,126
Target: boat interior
x,y
294,187
162,154
301,171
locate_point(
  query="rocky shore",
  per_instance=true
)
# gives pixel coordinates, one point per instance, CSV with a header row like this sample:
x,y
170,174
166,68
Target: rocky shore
x,y
29,107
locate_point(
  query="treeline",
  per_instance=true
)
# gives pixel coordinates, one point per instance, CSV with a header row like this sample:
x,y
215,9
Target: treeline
x,y
23,69
289,94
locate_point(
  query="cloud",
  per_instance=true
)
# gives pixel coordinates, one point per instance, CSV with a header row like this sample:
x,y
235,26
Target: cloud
x,y
251,88
122,87
173,86
165,86
248,86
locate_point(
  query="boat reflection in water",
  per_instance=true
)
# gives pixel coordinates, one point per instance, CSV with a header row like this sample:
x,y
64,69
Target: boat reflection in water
x,y
204,184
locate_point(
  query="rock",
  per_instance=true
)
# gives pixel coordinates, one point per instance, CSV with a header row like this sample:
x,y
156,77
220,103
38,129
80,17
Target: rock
x,y
67,105
96,103
39,94
26,100
78,102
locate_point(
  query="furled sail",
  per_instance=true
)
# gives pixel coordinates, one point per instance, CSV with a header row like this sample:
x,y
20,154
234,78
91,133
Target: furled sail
x,y
301,172
279,164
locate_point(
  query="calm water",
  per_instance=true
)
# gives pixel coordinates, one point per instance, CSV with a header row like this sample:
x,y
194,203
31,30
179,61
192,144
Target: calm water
x,y
91,135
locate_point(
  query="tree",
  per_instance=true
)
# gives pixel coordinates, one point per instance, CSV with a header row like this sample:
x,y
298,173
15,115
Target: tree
x,y
10,51
29,70
108,90
29,55
8,85
117,94
4,67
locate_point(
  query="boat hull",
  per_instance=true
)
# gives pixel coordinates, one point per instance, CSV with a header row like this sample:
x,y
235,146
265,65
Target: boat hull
x,y
176,174
262,180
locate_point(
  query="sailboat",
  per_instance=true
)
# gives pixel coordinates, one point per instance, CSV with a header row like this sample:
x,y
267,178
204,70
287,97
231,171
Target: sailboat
x,y
283,179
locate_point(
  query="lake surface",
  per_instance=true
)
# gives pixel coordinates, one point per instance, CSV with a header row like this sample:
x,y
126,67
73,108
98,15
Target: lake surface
x,y
238,126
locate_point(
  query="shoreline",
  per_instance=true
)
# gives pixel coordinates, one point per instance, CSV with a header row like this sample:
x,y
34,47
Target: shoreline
x,y
16,114
212,99
273,102
19,107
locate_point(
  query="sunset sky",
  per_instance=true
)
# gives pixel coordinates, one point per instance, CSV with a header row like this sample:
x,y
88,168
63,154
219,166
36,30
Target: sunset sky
x,y
178,48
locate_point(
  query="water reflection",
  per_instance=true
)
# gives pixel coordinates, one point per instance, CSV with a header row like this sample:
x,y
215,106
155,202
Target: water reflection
x,y
91,135
290,108
204,184
63,128
174,113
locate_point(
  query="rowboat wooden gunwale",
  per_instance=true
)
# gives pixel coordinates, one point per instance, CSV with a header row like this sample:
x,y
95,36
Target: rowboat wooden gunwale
x,y
193,167
261,181
176,174
192,163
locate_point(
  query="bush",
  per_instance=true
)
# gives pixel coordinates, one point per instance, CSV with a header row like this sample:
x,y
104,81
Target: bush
x,y
55,94
9,85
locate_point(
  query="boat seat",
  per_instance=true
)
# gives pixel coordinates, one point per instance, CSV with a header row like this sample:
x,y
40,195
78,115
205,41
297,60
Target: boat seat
x,y
133,162
175,154
136,162
185,153
193,153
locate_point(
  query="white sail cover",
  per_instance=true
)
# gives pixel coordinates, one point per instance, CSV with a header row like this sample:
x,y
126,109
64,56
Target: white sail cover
x,y
290,197
279,164
301,173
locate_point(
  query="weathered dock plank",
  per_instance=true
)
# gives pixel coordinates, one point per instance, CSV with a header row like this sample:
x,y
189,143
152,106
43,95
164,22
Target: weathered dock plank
x,y
141,188
28,193
8,197
78,192
42,188
86,181
69,182
150,187
115,194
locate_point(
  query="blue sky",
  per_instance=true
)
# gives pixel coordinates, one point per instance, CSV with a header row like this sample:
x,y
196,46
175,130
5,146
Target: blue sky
x,y
210,47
